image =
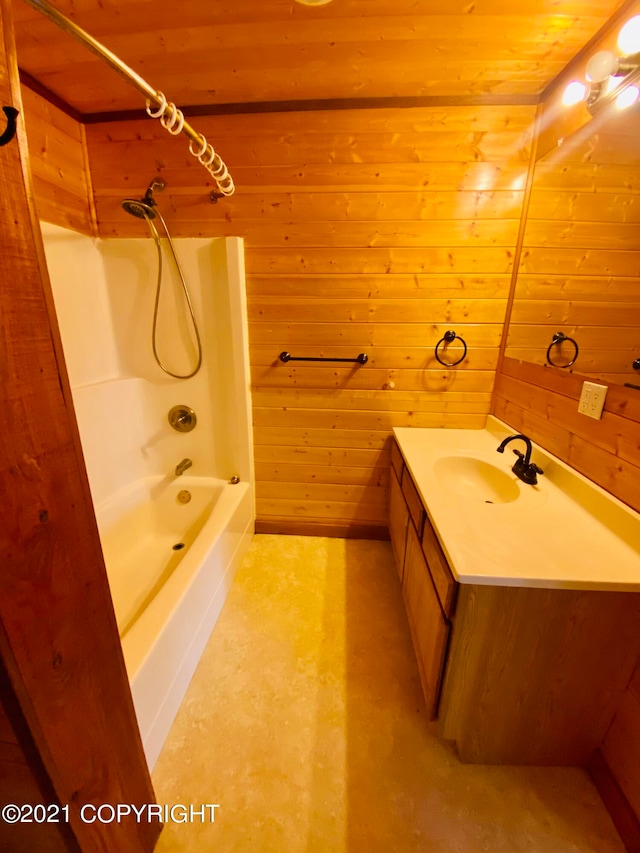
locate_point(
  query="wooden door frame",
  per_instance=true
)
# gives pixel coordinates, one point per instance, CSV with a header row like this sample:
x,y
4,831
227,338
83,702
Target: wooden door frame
x,y
66,691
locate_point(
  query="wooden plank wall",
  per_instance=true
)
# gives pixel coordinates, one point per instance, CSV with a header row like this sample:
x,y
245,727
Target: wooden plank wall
x,y
57,151
580,265
366,231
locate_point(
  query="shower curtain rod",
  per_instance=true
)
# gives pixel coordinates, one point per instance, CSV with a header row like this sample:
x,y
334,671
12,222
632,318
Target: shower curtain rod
x,y
170,116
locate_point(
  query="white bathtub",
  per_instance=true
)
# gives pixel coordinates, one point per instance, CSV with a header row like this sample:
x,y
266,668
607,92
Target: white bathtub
x,y
167,600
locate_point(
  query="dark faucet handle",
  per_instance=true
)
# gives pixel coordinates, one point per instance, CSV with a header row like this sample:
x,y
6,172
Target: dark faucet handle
x,y
535,468
518,454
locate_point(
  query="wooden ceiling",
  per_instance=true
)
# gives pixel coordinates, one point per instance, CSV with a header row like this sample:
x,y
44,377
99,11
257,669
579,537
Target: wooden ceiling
x,y
207,52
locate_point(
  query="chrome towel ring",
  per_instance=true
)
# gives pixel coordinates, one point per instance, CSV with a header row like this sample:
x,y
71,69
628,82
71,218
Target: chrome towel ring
x,y
558,338
447,339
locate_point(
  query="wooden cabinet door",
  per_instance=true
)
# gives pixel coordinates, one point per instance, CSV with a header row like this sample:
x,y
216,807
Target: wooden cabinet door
x,y
398,521
429,628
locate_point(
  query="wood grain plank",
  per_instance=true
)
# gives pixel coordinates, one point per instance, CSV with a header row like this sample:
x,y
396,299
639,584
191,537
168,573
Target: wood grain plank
x,y
406,286
452,117
443,379
57,156
291,472
358,420
361,146
367,234
589,288
179,169
373,460
304,310
567,205
354,400
191,208
339,529
304,440
327,509
283,334
590,262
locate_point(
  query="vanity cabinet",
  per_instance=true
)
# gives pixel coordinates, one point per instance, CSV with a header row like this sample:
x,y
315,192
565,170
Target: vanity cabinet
x,y
398,512
428,588
515,674
428,625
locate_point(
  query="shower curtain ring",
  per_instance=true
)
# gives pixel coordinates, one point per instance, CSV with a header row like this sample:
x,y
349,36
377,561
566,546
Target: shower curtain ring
x,y
168,123
202,150
208,158
161,108
178,129
220,172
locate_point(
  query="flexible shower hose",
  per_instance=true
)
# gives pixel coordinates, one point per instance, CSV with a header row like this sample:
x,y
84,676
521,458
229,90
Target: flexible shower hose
x,y
156,237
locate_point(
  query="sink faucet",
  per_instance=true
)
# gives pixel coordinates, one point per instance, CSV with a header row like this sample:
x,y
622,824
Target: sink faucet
x,y
181,467
524,468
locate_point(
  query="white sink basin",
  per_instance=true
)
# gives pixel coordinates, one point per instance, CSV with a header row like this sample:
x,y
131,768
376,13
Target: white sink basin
x,y
477,480
564,532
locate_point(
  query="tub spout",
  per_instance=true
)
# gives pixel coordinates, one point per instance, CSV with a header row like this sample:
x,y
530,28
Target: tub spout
x,y
181,467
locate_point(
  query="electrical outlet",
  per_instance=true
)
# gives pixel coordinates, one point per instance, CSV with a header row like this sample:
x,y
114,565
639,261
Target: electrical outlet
x,y
592,400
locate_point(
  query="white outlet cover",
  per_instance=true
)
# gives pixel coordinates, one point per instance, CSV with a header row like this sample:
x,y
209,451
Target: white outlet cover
x,y
592,399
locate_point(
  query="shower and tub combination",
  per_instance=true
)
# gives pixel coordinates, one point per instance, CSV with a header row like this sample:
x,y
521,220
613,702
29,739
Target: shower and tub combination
x,y
157,356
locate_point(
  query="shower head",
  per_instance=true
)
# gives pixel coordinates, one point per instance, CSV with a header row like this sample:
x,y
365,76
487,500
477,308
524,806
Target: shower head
x,y
139,207
143,208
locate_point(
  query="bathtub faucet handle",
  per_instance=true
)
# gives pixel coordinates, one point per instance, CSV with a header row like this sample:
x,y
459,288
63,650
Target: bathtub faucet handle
x,y
182,418
181,467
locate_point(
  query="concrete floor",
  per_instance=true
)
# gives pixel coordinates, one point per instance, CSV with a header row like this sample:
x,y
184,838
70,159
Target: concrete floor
x,y
305,722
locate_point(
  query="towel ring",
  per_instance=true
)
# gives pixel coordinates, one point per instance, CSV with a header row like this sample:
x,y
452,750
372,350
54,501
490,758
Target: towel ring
x,y
448,338
7,135
557,339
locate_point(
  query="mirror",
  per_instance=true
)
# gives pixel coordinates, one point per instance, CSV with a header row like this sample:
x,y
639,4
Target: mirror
x,y
579,272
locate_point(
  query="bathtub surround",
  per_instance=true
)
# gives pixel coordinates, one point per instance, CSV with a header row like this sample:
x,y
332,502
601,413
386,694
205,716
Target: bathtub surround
x,y
166,599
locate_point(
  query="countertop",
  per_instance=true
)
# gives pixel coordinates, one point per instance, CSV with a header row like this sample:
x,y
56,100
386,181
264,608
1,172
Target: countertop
x,y
566,532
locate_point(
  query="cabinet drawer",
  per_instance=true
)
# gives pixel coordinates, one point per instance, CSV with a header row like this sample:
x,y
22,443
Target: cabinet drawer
x,y
396,459
429,628
443,580
413,500
398,521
